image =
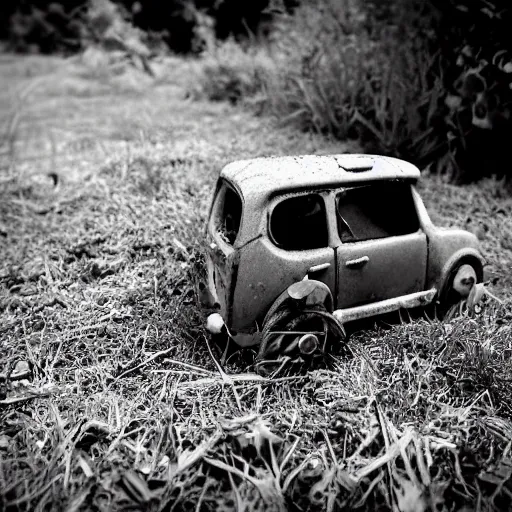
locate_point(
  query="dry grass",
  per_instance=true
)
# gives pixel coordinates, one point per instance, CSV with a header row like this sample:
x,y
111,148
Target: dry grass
x,y
111,399
334,68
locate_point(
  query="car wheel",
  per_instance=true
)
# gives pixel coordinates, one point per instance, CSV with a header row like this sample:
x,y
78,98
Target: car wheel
x,y
457,288
296,338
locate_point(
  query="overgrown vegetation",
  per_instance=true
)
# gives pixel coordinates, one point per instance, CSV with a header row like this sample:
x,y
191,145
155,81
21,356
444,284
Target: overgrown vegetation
x,y
417,80
110,397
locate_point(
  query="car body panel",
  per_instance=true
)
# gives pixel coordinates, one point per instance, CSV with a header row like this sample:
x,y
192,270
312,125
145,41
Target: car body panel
x,y
395,266
222,268
264,282
448,247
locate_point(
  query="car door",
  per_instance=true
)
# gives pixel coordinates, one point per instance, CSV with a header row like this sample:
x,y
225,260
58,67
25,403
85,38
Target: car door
x,y
383,251
296,243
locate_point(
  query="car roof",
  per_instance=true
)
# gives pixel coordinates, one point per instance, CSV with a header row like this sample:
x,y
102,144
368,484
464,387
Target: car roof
x,y
267,176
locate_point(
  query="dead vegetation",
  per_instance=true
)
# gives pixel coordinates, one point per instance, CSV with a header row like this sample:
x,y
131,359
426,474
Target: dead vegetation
x,y
111,398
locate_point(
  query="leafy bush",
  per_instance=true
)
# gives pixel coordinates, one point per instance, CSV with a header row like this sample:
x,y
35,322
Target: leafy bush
x,y
331,76
429,82
477,66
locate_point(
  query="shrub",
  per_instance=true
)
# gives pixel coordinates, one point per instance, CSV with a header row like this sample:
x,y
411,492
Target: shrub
x,y
228,72
331,75
429,82
477,64
400,76
47,26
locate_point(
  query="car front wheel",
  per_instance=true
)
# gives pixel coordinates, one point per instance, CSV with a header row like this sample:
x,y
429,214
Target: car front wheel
x,y
458,286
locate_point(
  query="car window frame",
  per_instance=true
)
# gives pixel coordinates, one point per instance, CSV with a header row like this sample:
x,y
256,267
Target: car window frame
x,y
215,216
324,194
352,186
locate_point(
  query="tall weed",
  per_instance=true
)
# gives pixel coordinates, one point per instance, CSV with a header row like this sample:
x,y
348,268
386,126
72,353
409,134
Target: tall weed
x,y
375,85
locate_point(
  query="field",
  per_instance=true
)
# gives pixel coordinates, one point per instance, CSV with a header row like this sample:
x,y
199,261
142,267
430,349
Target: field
x,y
111,397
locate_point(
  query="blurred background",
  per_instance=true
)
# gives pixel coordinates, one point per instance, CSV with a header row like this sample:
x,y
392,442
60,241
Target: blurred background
x,y
425,80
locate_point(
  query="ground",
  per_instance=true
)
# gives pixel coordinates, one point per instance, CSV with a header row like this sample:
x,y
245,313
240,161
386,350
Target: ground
x,y
110,395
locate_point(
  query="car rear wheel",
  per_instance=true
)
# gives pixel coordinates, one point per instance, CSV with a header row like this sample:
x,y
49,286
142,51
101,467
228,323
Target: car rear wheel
x,y
296,338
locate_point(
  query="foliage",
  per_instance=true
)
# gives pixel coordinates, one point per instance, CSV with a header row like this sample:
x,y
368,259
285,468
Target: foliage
x,y
48,26
427,81
43,26
335,78
398,76
477,81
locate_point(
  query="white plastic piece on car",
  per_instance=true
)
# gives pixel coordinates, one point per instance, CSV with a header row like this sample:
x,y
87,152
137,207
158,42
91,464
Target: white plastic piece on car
x,y
214,323
464,280
476,295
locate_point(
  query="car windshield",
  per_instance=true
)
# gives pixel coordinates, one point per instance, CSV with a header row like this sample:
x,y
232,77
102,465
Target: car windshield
x,y
376,211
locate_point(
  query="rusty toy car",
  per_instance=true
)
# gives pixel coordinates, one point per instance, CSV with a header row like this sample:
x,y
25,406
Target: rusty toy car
x,y
298,246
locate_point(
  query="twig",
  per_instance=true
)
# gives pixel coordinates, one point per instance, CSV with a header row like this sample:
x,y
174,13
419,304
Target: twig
x,y
216,380
231,469
422,465
225,377
19,399
189,367
289,479
331,449
391,454
156,355
203,491
492,296
16,376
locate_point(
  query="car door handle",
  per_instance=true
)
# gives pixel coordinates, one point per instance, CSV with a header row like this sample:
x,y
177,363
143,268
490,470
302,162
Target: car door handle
x,y
318,268
357,263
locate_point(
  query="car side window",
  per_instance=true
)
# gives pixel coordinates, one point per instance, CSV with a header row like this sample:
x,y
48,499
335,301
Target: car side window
x,y
228,214
376,211
300,223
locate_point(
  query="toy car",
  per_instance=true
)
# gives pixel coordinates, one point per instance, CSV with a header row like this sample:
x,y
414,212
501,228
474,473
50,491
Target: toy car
x,y
298,246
